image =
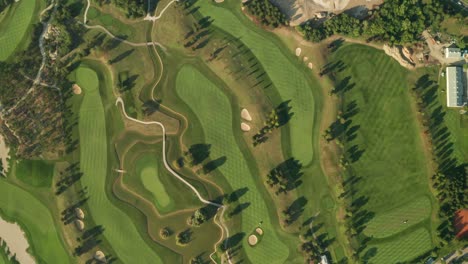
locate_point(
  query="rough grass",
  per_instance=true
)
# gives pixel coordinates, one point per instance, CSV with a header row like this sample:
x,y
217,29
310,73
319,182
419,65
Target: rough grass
x,y
390,223
289,80
148,170
119,228
35,218
14,26
391,168
36,173
213,109
405,248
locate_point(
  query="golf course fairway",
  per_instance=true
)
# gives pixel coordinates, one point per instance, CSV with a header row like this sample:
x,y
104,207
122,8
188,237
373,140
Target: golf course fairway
x,y
119,229
213,109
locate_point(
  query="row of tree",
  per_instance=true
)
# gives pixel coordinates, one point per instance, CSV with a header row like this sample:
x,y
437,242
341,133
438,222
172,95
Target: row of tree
x,y
267,13
398,22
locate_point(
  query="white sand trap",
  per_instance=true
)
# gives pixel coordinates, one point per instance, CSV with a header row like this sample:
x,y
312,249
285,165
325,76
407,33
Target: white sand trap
x,y
76,89
4,150
16,241
310,65
219,1
79,225
79,213
245,127
298,52
259,231
246,115
253,240
305,59
99,256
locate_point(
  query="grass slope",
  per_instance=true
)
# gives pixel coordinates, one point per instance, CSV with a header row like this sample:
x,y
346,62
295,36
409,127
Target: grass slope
x,y
213,110
35,218
148,170
389,164
119,229
288,79
15,25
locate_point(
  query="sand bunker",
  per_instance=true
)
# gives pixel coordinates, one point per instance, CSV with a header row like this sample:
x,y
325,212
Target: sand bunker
x,y
219,1
4,150
79,225
76,89
305,59
246,115
99,256
16,240
245,127
310,65
298,52
259,231
79,213
397,53
253,240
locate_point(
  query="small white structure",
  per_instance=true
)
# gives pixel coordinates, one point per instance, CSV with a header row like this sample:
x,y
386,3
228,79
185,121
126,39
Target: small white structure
x,y
324,260
455,93
453,53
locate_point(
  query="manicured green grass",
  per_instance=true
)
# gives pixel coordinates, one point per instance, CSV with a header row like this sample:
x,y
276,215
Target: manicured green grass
x,y
35,218
391,171
148,169
287,77
14,26
36,173
108,21
390,223
213,109
119,228
403,248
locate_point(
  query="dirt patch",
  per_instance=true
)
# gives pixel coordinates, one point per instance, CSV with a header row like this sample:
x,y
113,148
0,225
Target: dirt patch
x,y
4,150
246,115
461,223
253,240
16,240
245,127
299,11
398,54
76,89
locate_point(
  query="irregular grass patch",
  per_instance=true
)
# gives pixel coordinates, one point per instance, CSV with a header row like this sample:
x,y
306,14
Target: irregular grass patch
x,y
36,173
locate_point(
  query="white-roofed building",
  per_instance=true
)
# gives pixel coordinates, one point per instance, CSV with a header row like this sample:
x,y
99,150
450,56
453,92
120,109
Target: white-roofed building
x,y
455,93
453,53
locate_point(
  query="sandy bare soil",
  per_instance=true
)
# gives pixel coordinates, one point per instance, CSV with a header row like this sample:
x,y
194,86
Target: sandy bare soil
x,y
253,240
16,240
398,54
246,115
4,153
76,89
299,11
245,127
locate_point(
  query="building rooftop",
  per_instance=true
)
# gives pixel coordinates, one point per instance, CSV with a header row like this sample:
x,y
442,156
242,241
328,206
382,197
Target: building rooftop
x,y
453,53
455,93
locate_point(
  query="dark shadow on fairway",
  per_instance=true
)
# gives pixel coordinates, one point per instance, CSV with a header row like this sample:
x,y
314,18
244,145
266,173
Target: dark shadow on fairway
x,y
199,152
121,56
239,208
214,164
235,195
295,210
232,241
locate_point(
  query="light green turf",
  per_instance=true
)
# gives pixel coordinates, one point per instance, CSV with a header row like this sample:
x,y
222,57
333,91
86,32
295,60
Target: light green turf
x,y
405,248
147,168
15,25
393,167
35,218
213,109
36,173
392,222
119,229
288,79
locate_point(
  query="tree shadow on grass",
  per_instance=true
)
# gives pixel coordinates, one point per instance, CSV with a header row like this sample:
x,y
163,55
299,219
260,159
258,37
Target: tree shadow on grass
x,y
214,164
232,241
239,208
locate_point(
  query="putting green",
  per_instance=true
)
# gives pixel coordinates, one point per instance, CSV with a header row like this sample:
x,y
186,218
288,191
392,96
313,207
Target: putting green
x,y
14,26
290,81
213,109
35,218
119,228
147,168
